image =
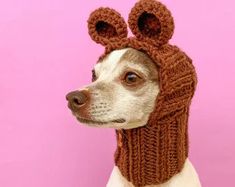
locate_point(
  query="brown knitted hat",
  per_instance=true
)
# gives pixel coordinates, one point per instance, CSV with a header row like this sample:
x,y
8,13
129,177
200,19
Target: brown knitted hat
x,y
151,154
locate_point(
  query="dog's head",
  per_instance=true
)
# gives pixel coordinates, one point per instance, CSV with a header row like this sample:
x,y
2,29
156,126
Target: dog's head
x,y
122,94
139,79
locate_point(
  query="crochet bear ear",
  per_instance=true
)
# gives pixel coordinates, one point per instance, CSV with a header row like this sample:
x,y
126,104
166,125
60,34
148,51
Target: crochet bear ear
x,y
151,21
106,25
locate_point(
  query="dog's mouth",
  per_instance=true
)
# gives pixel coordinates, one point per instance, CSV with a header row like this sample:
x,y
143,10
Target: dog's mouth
x,y
97,122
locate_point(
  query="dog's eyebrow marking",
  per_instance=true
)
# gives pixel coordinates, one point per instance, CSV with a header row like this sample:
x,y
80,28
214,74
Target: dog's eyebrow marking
x,y
136,57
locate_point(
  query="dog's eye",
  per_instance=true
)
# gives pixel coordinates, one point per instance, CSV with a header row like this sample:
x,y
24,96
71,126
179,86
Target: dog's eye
x,y
93,76
131,78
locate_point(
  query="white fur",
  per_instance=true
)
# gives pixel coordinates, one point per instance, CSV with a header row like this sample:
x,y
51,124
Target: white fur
x,y
134,107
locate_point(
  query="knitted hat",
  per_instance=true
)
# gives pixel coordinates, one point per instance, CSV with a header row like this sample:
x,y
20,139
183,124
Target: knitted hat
x,y
151,154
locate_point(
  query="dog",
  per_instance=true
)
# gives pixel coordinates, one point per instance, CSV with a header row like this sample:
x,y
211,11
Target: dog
x,y
122,95
142,87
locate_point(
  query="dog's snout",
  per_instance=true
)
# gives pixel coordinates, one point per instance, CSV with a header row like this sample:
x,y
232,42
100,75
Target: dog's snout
x,y
77,98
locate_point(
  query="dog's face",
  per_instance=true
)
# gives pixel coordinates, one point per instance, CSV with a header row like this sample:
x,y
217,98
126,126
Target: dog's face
x,y
122,94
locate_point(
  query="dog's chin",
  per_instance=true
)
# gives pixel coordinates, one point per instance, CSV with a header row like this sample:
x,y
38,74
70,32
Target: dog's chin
x,y
116,123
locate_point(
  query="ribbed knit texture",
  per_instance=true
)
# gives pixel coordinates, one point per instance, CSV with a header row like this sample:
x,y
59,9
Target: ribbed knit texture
x,y
151,154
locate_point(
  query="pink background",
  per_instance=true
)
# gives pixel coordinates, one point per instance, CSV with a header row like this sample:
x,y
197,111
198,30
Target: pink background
x,y
45,52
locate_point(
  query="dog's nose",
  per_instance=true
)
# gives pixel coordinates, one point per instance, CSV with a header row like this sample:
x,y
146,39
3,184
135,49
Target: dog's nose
x,y
77,98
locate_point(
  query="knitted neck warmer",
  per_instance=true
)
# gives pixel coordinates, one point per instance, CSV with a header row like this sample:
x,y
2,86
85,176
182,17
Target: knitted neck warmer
x,y
151,154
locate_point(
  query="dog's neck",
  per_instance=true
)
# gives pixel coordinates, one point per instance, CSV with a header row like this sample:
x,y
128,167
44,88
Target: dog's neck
x,y
152,154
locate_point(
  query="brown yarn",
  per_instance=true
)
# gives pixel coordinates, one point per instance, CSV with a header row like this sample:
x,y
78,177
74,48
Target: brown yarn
x,y
152,154
141,22
106,25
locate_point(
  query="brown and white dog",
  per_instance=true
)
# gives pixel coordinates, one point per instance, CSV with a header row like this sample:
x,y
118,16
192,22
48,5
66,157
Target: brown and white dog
x,y
122,96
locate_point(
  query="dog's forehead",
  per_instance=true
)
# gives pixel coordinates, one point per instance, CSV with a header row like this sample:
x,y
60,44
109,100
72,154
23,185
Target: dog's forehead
x,y
132,58
110,61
